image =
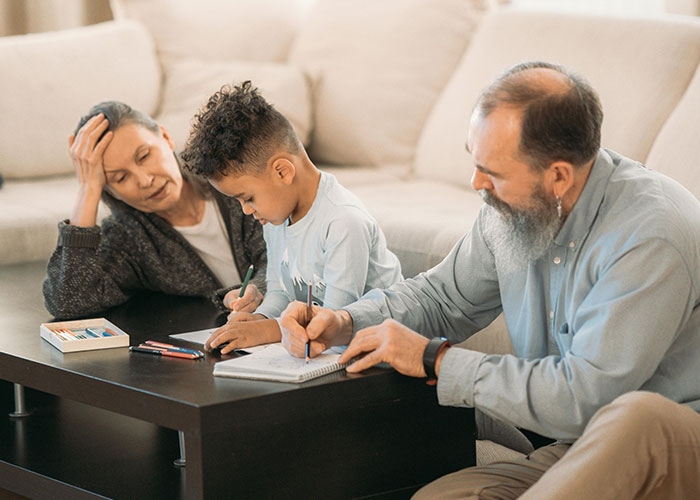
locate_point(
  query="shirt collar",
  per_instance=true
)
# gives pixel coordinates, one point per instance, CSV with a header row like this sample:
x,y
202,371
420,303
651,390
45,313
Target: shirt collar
x,y
580,220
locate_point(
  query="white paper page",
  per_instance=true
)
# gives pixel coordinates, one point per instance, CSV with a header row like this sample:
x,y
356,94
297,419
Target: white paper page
x,y
201,336
276,364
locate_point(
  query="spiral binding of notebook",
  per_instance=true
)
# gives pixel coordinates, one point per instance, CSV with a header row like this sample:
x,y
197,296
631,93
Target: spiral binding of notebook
x,y
274,363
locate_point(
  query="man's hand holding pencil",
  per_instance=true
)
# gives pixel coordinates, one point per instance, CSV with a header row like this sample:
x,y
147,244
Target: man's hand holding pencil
x,y
325,329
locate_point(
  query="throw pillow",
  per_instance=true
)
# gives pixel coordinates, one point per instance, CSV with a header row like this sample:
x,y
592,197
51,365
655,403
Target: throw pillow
x,y
190,83
49,80
377,68
217,30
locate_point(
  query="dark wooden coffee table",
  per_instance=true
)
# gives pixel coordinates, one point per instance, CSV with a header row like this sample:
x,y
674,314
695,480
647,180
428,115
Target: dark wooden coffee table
x,y
104,423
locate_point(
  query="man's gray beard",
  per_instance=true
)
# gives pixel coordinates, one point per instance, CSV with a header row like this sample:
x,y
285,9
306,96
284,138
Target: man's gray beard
x,y
519,236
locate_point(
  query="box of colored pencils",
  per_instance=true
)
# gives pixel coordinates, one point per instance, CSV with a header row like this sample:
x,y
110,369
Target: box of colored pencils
x,y
83,335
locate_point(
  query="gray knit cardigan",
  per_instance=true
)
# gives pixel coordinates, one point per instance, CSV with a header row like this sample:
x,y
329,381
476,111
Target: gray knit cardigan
x,y
95,268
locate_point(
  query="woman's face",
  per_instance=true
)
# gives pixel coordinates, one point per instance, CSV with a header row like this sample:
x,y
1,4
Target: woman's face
x,y
141,169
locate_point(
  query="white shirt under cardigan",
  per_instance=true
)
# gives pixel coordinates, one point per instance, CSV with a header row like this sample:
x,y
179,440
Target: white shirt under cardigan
x,y
210,241
337,246
613,306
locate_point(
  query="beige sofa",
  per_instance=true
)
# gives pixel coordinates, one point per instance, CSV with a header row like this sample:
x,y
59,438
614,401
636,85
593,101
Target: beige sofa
x,y
380,92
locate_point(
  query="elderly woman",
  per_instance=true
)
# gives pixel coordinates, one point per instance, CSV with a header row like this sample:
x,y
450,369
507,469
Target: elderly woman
x,y
166,232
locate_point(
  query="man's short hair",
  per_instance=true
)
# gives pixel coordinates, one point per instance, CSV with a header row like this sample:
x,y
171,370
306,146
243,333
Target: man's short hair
x,y
556,126
236,132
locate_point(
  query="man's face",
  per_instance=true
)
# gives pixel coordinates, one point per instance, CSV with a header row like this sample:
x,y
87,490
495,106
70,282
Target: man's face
x,y
529,219
264,195
499,167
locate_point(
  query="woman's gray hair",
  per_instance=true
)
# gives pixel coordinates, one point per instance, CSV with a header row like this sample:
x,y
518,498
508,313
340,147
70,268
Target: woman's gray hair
x,y
118,114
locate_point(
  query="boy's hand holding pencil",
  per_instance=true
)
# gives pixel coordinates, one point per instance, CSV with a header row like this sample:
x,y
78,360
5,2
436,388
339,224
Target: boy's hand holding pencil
x,y
246,303
247,298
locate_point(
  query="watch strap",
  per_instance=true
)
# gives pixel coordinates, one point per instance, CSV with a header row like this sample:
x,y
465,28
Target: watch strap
x,y
432,349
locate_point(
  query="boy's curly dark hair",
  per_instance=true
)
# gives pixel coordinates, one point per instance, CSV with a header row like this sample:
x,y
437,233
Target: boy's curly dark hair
x,y
235,133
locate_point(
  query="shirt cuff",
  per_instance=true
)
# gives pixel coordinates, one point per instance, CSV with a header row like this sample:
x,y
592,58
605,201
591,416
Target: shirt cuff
x,y
457,377
267,312
78,237
272,306
364,313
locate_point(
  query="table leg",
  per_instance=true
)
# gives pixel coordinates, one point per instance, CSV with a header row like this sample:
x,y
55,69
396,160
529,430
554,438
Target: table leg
x,y
181,462
20,406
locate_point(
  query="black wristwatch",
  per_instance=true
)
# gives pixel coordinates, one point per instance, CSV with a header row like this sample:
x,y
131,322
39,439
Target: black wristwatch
x,y
432,349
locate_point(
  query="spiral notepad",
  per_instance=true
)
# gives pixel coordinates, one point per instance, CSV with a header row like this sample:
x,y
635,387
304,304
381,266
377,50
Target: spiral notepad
x,y
276,364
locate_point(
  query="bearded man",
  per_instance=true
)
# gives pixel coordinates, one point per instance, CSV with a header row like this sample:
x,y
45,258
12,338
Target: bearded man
x,y
593,260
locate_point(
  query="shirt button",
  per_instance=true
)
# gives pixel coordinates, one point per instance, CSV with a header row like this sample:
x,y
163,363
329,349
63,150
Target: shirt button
x,y
557,260
572,244
551,314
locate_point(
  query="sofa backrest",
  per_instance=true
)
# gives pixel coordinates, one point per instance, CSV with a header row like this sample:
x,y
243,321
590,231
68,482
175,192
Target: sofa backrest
x,y
205,44
676,150
377,69
640,66
49,79
217,30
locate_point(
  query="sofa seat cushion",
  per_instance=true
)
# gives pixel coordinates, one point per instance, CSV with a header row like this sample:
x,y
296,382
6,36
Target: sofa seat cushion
x,y
50,79
355,176
639,66
30,211
494,339
377,69
422,219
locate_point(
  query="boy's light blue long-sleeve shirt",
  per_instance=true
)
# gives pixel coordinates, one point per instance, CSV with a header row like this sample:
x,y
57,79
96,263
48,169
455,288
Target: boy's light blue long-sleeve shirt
x,y
611,307
337,246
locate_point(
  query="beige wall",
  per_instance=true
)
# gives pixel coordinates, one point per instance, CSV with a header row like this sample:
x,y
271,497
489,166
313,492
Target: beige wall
x,y
31,16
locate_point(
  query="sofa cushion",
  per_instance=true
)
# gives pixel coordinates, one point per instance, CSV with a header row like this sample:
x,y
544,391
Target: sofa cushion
x,y
30,211
353,176
640,67
190,82
377,69
420,237
49,80
217,30
676,151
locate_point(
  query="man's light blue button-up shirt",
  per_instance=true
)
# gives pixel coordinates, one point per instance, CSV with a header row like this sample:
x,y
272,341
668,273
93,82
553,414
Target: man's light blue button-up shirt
x,y
611,307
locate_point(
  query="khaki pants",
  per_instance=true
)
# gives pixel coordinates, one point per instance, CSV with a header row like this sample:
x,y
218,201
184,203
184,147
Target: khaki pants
x,y
640,446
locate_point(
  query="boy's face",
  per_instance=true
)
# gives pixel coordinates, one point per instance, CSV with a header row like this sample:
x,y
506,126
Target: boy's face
x,y
266,195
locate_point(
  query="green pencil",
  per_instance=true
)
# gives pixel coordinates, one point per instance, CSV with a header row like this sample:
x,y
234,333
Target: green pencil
x,y
245,281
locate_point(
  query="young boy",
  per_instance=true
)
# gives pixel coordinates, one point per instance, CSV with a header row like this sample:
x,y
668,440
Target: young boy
x,y
316,231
